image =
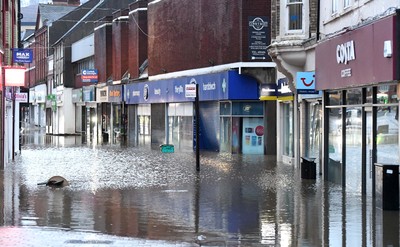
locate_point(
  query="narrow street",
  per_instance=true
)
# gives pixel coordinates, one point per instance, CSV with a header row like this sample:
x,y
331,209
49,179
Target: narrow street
x,y
127,196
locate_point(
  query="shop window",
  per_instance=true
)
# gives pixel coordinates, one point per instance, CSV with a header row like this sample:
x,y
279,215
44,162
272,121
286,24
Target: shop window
x,y
354,97
334,98
369,93
387,94
225,108
387,125
314,130
288,129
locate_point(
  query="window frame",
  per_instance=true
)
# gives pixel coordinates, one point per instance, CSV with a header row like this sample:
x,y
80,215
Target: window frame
x,y
290,3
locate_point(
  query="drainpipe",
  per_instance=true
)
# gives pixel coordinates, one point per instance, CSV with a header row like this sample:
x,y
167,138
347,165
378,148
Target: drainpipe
x,y
19,16
318,17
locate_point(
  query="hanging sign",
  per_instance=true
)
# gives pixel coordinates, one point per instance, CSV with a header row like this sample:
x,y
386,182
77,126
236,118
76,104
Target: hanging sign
x,y
305,83
14,76
90,75
22,55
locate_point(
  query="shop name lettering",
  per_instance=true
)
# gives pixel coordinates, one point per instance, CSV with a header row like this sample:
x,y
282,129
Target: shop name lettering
x,y
178,89
209,86
345,52
115,93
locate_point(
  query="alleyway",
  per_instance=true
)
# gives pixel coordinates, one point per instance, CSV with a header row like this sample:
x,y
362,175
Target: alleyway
x,y
126,196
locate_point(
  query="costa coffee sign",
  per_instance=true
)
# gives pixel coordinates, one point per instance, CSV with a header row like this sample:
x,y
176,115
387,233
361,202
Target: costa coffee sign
x,y
345,52
356,57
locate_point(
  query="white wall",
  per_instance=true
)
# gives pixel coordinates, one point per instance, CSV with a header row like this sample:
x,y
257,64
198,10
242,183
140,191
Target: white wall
x,y
66,114
83,48
358,11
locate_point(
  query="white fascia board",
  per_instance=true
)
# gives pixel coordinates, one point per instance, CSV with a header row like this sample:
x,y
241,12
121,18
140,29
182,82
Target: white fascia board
x,y
103,25
213,69
125,17
137,10
155,1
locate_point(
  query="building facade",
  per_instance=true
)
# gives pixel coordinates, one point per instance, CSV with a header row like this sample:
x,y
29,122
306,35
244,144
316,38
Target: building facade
x,y
357,69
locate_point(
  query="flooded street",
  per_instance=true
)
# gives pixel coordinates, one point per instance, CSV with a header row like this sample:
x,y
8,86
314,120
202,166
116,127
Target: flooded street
x,y
117,194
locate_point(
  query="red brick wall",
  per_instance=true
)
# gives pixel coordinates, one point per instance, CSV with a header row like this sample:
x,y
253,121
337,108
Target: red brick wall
x,y
120,44
40,56
199,33
103,53
137,37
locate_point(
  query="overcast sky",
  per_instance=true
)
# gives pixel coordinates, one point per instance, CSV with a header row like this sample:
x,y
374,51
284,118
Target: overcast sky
x,y
25,3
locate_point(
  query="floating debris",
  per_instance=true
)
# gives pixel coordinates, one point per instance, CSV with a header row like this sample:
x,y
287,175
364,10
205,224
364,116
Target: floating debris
x,y
55,181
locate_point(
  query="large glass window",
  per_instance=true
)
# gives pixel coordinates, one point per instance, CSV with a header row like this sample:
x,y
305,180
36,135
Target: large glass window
x,y
295,10
288,129
225,134
180,125
314,130
335,144
387,139
144,122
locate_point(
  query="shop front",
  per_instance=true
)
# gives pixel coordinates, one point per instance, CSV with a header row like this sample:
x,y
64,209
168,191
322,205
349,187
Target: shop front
x,y
79,109
169,101
89,114
117,115
358,72
37,99
103,124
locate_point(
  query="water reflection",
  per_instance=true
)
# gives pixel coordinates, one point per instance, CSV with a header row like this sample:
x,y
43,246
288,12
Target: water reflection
x,y
235,200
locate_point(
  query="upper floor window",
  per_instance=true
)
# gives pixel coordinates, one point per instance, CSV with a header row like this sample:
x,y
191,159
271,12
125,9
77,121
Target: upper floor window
x,y
334,6
295,8
346,3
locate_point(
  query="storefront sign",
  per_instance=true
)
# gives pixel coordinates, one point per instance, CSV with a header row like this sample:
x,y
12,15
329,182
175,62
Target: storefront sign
x,y
358,57
90,75
190,90
345,52
115,93
279,91
102,94
22,55
88,94
258,37
76,95
21,97
211,87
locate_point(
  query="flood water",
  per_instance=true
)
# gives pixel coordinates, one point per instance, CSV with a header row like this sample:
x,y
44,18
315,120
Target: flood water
x,y
235,200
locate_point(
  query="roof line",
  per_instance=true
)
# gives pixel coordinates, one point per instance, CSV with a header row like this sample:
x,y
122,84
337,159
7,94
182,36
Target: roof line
x,y
213,69
80,21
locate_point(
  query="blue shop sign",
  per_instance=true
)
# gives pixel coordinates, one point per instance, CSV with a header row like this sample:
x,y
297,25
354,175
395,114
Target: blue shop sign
x,y
305,82
228,85
22,55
